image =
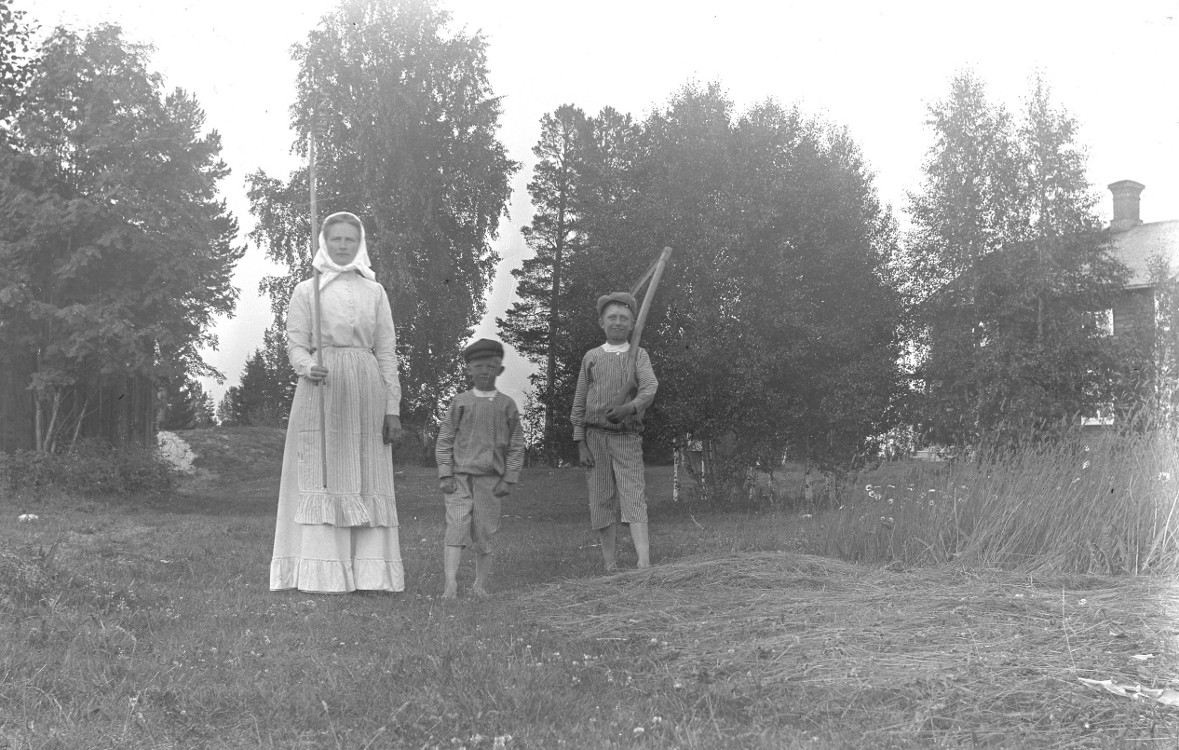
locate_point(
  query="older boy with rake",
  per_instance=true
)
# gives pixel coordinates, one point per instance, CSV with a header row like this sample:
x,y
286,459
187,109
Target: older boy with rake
x,y
607,417
480,451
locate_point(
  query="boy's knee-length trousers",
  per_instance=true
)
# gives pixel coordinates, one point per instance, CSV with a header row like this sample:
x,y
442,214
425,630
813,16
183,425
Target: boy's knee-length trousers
x,y
616,484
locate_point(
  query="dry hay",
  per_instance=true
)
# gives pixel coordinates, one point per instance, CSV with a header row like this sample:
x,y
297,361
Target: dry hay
x,y
945,656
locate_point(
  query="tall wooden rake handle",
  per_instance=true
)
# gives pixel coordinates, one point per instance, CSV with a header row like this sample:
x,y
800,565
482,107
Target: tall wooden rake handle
x,y
653,274
318,309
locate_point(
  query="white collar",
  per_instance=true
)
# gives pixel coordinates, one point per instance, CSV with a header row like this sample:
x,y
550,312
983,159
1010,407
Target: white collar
x,y
484,394
616,348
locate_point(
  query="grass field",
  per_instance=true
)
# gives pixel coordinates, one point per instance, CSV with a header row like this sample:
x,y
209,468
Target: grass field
x,y
147,623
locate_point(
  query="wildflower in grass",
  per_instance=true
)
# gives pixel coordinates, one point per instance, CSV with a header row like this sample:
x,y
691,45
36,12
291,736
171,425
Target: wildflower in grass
x,y
639,731
1164,476
1084,466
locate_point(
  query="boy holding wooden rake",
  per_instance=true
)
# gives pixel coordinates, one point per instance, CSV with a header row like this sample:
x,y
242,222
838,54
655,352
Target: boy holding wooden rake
x,y
614,388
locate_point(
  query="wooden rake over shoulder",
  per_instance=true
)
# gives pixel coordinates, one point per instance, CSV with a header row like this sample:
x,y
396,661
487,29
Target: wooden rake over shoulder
x,y
631,363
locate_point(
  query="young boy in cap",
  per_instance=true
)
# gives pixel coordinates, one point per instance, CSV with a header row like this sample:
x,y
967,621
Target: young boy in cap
x,y
480,451
607,420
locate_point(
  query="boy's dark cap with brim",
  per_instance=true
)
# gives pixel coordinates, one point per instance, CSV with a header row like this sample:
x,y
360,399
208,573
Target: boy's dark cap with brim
x,y
625,298
483,348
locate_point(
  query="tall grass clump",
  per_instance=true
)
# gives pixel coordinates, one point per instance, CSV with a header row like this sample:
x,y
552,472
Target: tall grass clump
x,y
1090,504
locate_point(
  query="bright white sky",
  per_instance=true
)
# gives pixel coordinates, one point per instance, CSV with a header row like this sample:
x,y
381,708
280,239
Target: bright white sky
x,y
869,65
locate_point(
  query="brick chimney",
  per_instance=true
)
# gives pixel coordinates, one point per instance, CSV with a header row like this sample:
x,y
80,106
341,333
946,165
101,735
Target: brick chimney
x,y
1125,204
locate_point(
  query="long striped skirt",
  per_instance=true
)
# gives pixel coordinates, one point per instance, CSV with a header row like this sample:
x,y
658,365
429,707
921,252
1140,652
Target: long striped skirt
x,y
338,534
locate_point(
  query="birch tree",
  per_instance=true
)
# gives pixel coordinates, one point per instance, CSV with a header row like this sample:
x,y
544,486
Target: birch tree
x,y
409,143
1009,262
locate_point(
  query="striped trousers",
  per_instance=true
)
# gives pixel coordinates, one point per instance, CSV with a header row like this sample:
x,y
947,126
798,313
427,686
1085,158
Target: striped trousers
x,y
616,484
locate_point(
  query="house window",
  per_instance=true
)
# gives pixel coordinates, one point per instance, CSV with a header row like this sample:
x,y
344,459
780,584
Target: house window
x,y
1102,321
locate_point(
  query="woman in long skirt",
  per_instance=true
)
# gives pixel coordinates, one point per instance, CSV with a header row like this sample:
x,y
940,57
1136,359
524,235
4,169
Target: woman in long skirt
x,y
340,534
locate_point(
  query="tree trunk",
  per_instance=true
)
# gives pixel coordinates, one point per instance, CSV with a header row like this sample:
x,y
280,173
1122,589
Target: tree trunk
x,y
554,308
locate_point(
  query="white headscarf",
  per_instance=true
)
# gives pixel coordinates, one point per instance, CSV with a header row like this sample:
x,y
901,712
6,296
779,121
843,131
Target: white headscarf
x,y
328,269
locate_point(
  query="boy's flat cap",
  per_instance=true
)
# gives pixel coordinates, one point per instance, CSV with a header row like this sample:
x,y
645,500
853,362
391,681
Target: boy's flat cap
x,y
483,348
625,298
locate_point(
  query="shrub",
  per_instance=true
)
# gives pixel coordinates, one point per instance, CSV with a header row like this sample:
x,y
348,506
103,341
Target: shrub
x,y
90,468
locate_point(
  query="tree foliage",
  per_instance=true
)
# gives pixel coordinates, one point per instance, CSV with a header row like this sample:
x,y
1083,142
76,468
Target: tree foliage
x,y
775,326
781,333
117,251
15,64
267,385
186,406
407,122
1162,378
1008,264
580,175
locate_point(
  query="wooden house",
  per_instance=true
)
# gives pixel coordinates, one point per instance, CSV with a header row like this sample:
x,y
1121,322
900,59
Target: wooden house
x,y
1136,244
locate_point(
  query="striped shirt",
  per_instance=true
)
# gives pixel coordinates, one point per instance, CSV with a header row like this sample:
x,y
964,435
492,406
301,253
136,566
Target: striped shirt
x,y
481,435
601,382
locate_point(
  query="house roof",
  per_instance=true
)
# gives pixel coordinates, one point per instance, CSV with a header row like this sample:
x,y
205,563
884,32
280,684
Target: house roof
x,y
1137,245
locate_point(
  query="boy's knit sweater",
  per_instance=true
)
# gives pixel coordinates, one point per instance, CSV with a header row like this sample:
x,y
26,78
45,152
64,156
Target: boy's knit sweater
x,y
601,381
481,435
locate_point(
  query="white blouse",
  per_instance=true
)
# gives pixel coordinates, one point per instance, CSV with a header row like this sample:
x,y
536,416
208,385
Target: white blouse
x,y
356,314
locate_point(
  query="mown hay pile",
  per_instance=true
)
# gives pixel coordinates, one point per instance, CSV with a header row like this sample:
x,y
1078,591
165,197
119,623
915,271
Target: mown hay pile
x,y
944,656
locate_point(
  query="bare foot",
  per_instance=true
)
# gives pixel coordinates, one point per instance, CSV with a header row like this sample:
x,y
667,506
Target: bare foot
x,y
450,592
478,590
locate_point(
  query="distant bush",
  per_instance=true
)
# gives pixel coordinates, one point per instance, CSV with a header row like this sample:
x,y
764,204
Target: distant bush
x,y
90,468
